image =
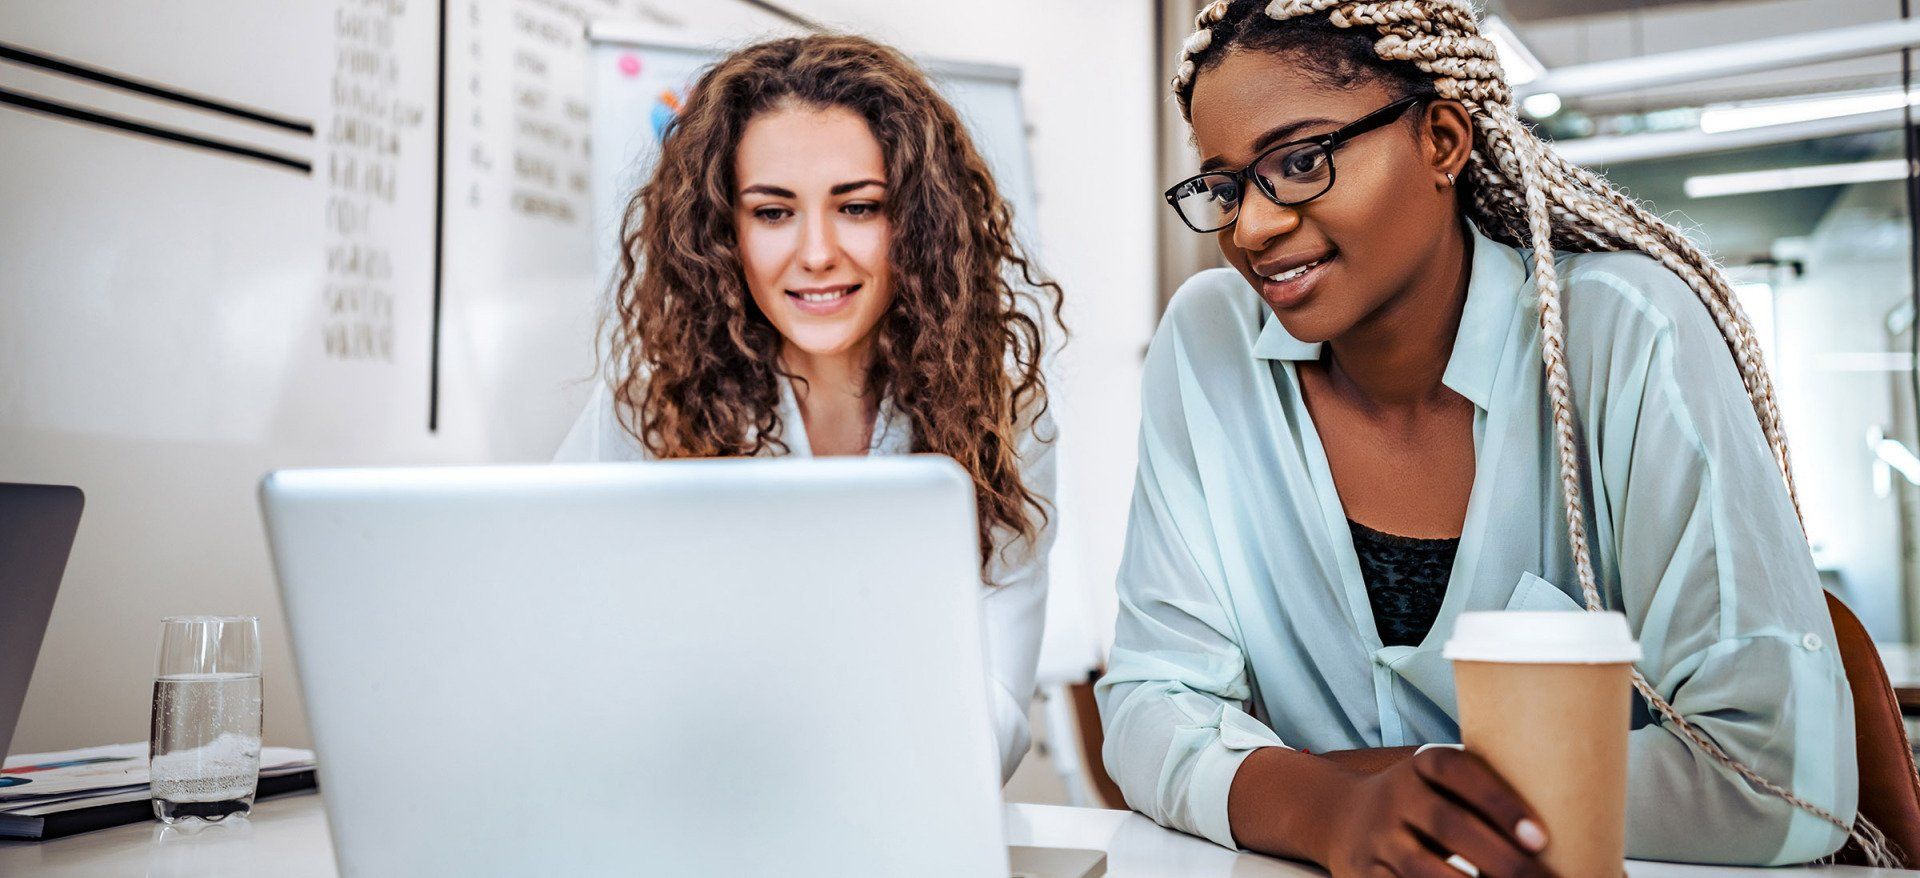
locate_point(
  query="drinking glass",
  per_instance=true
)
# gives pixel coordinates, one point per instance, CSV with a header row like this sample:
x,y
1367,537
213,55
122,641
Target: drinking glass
x,y
204,753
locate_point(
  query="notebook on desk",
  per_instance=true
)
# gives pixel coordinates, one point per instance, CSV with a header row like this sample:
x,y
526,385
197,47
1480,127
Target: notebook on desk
x,y
51,820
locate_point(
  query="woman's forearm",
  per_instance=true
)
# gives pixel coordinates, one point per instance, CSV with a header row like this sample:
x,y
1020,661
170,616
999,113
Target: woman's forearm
x,y
1372,760
1283,802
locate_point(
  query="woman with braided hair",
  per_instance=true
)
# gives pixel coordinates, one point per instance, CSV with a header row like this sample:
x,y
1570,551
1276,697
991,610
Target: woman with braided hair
x,y
821,264
1448,371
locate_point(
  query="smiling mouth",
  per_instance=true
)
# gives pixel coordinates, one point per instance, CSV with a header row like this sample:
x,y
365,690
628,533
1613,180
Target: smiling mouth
x,y
824,296
1297,272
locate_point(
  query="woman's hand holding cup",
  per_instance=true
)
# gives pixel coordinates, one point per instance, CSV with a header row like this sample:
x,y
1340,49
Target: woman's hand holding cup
x,y
1424,815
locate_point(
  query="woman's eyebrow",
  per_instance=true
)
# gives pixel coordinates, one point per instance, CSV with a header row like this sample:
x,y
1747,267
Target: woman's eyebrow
x,y
838,189
1277,134
855,186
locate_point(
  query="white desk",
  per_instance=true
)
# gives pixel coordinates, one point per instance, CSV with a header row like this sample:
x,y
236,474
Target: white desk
x,y
287,838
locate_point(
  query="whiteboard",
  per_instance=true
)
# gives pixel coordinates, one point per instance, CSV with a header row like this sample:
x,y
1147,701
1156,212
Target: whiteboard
x,y
639,75
191,287
191,296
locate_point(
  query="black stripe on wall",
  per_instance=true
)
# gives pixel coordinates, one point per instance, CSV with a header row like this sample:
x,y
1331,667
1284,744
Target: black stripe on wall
x,y
64,67
129,126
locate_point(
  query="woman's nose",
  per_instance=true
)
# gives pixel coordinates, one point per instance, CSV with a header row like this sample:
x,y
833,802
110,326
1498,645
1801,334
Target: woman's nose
x,y
1260,221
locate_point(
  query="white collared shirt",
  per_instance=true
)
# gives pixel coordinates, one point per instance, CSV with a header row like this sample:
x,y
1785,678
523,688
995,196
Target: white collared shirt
x,y
1244,619
1013,609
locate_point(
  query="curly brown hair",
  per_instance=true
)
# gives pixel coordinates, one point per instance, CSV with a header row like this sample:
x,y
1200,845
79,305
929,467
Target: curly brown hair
x,y
958,351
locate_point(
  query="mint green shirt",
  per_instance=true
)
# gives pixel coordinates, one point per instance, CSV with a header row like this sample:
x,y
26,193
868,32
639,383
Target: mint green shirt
x,y
1244,620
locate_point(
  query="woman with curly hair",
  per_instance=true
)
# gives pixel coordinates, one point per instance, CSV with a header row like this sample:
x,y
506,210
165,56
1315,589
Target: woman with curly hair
x,y
820,265
1448,371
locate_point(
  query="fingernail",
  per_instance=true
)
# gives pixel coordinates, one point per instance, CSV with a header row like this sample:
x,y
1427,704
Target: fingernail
x,y
1531,835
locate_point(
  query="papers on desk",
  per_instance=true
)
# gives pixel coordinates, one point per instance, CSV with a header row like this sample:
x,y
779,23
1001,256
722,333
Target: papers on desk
x,y
77,790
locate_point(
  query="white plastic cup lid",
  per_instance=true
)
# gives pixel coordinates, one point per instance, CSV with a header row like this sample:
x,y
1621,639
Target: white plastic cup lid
x,y
1570,638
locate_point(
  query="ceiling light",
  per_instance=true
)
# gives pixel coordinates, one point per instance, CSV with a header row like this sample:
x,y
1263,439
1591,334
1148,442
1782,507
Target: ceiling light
x,y
1719,118
1626,75
1520,65
1541,106
1748,182
1619,149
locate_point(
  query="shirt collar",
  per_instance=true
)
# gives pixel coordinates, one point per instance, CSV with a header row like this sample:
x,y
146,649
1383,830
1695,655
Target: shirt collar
x,y
1493,290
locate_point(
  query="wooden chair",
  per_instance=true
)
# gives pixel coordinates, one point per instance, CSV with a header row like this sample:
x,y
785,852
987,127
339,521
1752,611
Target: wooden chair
x,y
1889,786
1086,715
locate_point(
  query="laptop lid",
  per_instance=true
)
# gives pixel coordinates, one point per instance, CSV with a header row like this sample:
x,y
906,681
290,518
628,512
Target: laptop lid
x,y
714,667
37,524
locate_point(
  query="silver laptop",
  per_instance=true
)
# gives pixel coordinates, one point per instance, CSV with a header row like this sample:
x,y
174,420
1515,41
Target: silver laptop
x,y
690,668
37,524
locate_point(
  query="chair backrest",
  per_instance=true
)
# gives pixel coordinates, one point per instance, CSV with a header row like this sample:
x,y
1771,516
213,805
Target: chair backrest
x,y
1889,786
1086,715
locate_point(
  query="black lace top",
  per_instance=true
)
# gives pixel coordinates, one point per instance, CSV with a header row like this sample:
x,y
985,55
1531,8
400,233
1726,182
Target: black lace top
x,y
1406,578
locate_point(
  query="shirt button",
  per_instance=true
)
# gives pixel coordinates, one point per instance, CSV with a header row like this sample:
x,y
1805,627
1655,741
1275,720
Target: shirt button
x,y
1811,642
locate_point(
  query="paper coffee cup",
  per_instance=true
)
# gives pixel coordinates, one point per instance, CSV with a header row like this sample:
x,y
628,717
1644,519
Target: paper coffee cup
x,y
1545,699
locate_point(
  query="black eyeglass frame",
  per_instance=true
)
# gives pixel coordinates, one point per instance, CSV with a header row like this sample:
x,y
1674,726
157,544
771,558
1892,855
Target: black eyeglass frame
x,y
1328,143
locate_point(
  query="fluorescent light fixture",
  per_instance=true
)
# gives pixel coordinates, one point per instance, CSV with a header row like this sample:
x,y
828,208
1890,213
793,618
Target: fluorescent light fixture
x,y
1515,59
1728,127
1625,75
1542,105
1748,182
1720,118
1613,150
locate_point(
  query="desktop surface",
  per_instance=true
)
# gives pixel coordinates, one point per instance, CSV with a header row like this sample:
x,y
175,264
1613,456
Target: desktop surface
x,y
287,837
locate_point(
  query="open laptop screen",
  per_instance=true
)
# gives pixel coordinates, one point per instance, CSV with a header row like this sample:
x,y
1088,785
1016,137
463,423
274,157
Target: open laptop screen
x,y
37,524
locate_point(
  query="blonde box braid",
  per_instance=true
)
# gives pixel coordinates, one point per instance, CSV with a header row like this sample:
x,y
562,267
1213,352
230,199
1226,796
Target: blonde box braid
x,y
1526,195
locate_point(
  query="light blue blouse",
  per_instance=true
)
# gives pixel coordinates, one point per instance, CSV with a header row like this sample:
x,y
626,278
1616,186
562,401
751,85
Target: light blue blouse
x,y
1244,620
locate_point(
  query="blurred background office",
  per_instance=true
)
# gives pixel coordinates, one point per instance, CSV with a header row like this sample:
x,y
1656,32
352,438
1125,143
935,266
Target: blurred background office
x,y
240,236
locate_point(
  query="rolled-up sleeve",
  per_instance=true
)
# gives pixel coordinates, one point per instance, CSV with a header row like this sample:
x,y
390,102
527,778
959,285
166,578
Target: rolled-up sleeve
x,y
1172,701
1715,571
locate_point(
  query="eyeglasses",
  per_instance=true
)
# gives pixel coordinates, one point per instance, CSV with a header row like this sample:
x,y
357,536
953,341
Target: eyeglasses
x,y
1290,174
